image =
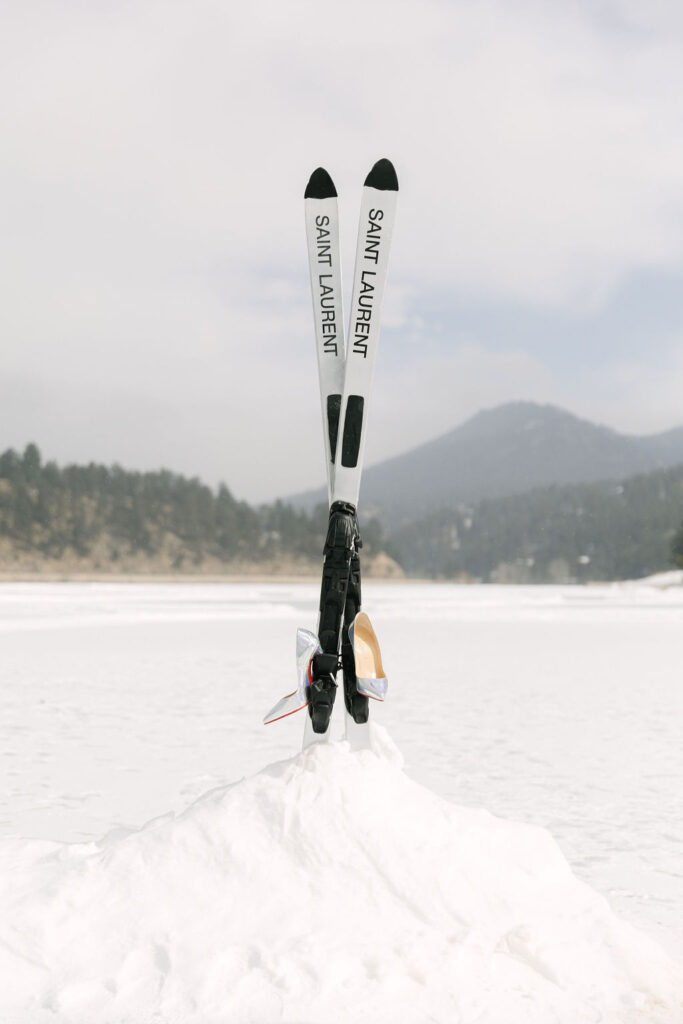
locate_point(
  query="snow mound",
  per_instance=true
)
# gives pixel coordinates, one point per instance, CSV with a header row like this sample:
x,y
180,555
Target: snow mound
x,y
327,888
662,580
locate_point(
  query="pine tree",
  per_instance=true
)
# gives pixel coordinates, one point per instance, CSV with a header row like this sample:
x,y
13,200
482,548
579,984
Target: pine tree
x,y
677,547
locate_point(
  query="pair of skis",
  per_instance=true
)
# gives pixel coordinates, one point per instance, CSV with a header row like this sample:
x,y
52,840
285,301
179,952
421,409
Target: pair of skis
x,y
345,639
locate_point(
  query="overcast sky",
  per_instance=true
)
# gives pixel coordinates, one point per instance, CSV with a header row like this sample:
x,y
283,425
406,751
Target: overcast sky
x,y
154,296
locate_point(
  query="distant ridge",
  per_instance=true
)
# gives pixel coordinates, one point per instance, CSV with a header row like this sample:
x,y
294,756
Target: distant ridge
x,y
503,451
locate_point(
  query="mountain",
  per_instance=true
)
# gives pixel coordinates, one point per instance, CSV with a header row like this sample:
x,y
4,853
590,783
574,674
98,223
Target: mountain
x,y
503,451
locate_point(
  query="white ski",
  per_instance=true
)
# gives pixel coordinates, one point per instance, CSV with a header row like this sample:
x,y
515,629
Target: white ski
x,y
322,238
377,213
345,376
324,263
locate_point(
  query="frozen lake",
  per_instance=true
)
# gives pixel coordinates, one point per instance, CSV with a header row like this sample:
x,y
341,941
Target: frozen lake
x,y
560,706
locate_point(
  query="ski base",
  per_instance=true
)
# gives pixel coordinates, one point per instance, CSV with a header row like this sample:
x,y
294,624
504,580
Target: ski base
x,y
312,738
357,736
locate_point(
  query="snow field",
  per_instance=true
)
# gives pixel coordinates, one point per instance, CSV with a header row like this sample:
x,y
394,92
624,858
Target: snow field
x,y
327,888
332,886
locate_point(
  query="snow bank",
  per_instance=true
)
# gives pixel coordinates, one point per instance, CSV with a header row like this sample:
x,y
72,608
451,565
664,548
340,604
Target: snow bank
x,y
662,580
327,888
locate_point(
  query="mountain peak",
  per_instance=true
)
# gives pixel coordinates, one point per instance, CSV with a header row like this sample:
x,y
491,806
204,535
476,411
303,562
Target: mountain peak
x,y
506,450
523,417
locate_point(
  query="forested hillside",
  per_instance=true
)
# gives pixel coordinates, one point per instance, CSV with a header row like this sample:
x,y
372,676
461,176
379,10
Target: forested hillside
x,y
104,518
603,531
99,519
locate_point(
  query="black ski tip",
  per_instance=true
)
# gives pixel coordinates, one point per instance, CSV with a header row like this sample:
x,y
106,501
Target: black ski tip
x,y
320,185
383,176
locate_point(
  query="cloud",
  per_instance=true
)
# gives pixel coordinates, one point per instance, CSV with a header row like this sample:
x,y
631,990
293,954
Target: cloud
x,y
154,160
430,390
637,397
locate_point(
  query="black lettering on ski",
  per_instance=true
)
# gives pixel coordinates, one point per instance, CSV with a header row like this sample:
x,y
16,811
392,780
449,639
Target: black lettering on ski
x,y
361,326
326,292
322,242
328,315
373,235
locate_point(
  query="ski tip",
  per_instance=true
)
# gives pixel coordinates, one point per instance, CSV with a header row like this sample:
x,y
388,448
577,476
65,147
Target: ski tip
x,y
320,185
383,176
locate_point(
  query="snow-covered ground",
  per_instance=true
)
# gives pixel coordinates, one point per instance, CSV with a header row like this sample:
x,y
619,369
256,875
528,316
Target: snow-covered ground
x,y
559,707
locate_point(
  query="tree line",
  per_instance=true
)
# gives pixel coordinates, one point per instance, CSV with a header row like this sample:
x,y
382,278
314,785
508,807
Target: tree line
x,y
56,511
571,533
